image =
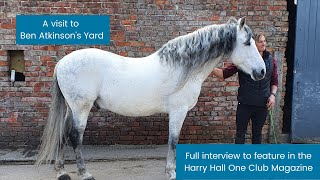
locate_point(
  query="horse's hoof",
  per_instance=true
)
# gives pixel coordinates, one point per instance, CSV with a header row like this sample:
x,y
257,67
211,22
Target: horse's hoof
x,y
64,177
87,176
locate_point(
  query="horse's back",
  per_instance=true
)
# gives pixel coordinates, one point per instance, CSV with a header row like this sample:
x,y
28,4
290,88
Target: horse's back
x,y
90,57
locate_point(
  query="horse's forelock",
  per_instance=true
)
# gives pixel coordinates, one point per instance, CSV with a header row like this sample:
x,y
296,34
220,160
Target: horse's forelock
x,y
249,35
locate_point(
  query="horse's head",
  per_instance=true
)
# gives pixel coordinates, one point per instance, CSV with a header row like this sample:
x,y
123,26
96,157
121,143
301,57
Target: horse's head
x,y
245,54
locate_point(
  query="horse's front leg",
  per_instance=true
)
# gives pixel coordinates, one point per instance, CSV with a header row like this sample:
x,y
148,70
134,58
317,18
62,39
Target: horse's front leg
x,y
176,119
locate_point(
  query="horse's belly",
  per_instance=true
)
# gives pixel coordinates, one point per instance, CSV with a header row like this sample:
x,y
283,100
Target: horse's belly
x,y
131,107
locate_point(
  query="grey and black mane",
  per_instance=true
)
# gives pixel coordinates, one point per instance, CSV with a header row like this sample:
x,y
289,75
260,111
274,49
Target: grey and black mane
x,y
194,50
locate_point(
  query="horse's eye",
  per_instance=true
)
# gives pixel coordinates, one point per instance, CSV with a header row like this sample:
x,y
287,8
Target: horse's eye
x,y
247,43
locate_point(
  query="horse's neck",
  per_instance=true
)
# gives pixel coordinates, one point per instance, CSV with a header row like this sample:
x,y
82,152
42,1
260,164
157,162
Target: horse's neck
x,y
208,68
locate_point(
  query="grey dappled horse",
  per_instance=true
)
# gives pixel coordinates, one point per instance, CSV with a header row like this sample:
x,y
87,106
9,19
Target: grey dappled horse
x,y
167,81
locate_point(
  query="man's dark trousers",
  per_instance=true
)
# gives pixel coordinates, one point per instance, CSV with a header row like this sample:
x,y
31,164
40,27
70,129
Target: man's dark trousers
x,y
258,117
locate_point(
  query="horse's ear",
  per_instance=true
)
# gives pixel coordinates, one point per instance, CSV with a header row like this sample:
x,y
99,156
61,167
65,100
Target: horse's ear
x,y
242,22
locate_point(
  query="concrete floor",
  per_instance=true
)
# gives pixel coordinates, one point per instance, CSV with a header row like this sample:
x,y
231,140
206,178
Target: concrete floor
x,y
150,169
118,162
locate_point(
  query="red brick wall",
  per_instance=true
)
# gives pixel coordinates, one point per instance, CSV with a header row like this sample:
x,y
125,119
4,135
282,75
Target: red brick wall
x,y
138,28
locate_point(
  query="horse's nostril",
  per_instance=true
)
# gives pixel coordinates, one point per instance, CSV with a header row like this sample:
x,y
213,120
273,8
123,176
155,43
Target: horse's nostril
x,y
259,75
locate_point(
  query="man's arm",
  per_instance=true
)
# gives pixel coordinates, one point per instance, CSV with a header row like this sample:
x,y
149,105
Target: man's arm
x,y
274,86
226,72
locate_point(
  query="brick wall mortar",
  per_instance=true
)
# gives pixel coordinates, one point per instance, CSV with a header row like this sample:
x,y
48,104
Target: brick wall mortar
x,y
137,29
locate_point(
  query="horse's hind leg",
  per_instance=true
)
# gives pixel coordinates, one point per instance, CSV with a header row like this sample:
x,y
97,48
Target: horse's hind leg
x,y
176,119
59,167
80,116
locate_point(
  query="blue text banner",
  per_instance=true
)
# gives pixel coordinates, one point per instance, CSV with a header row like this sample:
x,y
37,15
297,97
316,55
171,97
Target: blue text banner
x,y
63,29
233,161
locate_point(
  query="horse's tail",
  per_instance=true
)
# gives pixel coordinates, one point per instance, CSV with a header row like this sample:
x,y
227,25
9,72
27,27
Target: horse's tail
x,y
56,130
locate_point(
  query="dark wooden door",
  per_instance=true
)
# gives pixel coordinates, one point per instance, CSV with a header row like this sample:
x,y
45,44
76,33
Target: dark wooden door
x,y
306,83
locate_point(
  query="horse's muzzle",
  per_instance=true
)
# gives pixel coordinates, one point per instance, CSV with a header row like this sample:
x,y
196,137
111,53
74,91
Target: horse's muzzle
x,y
258,75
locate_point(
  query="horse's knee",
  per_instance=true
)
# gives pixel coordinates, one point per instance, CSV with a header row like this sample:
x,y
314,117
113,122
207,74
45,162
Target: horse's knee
x,y
173,141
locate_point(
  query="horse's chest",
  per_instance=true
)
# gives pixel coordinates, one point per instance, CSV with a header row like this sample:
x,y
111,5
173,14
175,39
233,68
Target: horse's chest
x,y
187,96
193,96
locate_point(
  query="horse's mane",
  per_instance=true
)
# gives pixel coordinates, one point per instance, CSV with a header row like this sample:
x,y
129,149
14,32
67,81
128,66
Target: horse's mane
x,y
195,49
